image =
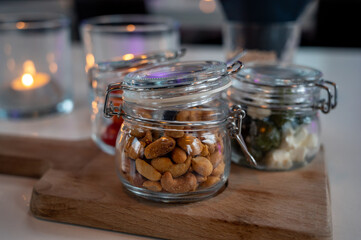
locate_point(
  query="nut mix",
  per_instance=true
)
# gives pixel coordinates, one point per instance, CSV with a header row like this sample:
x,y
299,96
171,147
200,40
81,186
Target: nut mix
x,y
174,159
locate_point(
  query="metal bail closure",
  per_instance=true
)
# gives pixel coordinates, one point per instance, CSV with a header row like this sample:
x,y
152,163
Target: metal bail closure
x,y
234,67
326,105
236,117
109,109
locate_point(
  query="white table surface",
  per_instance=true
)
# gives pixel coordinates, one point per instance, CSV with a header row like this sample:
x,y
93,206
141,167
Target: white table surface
x,y
341,135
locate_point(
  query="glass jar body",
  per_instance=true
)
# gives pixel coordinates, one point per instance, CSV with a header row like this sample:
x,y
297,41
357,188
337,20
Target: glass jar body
x,y
173,162
279,141
104,130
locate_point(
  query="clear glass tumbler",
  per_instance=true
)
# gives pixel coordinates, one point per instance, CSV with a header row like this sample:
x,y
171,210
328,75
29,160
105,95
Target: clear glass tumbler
x,y
35,76
107,37
263,41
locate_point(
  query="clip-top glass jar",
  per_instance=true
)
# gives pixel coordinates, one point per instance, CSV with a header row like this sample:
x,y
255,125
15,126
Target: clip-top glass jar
x,y
282,129
105,131
174,145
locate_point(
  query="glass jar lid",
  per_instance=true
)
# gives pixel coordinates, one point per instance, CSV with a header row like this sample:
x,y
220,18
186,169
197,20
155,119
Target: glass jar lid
x,y
273,74
282,87
176,82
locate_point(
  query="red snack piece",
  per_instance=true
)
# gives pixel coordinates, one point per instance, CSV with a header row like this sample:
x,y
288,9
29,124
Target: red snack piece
x,y
110,135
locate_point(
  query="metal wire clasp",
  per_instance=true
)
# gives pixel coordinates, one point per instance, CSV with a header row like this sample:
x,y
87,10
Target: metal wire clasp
x,y
109,109
235,126
326,105
234,67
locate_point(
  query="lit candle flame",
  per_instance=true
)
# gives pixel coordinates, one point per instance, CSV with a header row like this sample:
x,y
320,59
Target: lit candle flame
x,y
30,78
27,80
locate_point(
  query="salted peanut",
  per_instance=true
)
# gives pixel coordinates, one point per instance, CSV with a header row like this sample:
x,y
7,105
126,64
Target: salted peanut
x,y
153,186
148,138
219,170
192,145
176,131
162,164
186,183
159,147
205,151
201,178
146,170
183,116
178,155
216,158
136,149
202,166
137,132
211,180
181,168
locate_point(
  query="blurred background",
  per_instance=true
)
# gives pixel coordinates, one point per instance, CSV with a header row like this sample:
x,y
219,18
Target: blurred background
x,y
328,23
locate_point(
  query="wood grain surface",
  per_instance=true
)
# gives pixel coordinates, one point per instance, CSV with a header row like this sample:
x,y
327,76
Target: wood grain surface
x,y
78,184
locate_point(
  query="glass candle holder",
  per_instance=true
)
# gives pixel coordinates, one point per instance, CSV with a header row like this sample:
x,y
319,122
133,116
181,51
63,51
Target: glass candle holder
x,y
34,75
108,37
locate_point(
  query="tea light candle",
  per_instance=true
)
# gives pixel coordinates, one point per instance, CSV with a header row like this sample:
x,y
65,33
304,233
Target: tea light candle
x,y
30,79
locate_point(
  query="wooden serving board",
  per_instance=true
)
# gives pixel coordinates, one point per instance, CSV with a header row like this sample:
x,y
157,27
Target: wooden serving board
x,y
78,184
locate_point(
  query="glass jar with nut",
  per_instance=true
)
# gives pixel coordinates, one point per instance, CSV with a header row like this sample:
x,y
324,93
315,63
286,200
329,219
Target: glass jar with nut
x,y
282,128
174,145
105,131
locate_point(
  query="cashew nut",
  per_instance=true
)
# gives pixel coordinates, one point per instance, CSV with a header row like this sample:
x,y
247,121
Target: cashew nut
x,y
216,158
181,168
219,170
162,164
211,147
178,155
159,147
186,183
205,151
211,180
153,186
209,139
202,166
200,178
135,148
192,145
147,170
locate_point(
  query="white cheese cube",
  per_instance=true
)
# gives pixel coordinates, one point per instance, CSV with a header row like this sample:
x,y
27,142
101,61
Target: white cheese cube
x,y
279,159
